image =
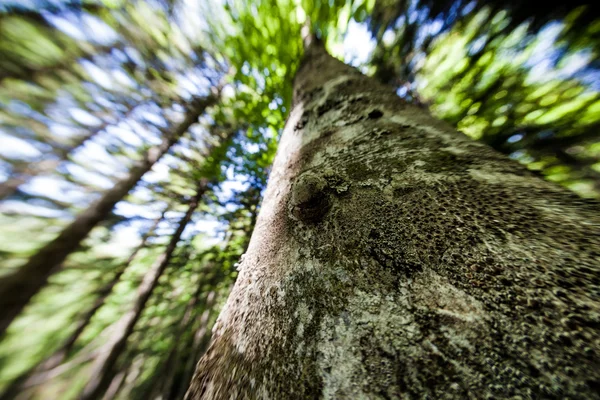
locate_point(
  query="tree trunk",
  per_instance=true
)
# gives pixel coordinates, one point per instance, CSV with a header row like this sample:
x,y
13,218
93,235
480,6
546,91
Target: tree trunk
x,y
199,343
17,289
29,378
395,258
166,373
115,385
102,368
201,337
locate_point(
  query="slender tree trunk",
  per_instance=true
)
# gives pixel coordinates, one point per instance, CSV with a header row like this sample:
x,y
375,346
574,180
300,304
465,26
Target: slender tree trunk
x,y
115,385
27,379
101,370
202,335
106,290
199,345
166,373
130,379
17,289
395,258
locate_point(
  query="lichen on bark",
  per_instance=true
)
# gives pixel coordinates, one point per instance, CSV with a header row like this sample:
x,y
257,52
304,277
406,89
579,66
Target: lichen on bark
x,y
395,258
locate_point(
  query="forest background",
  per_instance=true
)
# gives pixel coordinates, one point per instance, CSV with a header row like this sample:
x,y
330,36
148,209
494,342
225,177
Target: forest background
x,y
93,92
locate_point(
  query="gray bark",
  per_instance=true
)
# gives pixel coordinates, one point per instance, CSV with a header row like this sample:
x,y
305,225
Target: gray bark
x,y
18,288
37,374
102,369
395,258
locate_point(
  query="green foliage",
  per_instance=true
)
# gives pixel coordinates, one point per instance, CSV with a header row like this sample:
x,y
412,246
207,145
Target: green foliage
x,y
527,87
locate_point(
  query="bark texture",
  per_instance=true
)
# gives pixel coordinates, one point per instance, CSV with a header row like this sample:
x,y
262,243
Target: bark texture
x,y
103,366
395,258
18,288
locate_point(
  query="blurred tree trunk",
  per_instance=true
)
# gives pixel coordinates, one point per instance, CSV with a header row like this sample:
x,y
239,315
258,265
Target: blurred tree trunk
x,y
199,344
182,367
166,373
115,384
30,378
201,337
103,366
395,258
17,289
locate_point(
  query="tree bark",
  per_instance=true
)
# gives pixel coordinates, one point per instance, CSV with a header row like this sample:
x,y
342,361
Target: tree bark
x,y
17,289
102,368
29,378
395,258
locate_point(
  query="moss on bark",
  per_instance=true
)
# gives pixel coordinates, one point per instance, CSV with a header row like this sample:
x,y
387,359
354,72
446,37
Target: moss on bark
x,y
395,258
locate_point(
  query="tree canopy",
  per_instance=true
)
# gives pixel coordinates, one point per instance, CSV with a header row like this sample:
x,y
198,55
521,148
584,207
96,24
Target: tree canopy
x,y
91,89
